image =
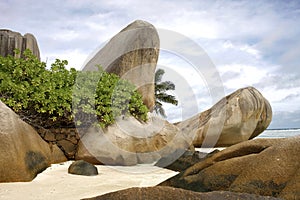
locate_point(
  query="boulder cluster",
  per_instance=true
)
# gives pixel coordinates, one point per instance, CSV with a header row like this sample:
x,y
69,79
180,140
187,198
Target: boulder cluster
x,y
10,40
247,169
268,167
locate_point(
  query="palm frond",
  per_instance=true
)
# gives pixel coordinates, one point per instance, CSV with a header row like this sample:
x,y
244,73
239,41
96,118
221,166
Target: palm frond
x,y
158,75
160,93
164,86
159,110
166,98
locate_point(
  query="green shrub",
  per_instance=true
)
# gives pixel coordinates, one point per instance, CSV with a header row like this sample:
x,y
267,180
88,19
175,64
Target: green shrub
x,y
54,97
105,96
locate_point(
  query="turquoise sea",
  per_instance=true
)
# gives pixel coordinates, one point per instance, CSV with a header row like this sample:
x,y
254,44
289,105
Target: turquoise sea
x,y
279,133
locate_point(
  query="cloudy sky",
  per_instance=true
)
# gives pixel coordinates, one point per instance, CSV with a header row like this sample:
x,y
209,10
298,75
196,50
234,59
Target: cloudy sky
x,y
251,43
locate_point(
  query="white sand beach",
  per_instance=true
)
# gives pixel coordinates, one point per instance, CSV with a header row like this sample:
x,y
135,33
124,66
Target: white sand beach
x,y
56,183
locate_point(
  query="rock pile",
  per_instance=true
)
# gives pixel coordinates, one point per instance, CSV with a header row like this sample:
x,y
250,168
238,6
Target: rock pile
x,y
132,54
269,167
66,139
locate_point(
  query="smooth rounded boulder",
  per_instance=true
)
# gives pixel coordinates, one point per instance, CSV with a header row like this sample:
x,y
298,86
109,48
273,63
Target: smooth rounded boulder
x,y
131,142
132,54
23,153
81,167
268,167
238,117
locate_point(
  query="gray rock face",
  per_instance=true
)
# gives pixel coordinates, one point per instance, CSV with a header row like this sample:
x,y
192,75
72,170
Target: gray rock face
x,y
132,54
84,168
238,117
268,167
10,40
23,153
129,142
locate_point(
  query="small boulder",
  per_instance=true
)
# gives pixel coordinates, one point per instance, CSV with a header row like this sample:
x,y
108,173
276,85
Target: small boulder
x,y
81,167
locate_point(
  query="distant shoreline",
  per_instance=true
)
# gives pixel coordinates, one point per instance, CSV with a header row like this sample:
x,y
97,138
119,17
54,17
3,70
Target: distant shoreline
x,y
281,129
279,133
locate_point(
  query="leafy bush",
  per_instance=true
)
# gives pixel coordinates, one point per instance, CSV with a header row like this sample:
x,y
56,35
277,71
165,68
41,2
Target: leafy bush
x,y
105,96
53,98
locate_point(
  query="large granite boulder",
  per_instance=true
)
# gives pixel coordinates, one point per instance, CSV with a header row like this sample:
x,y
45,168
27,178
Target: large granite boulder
x,y
168,193
10,40
237,117
129,142
132,54
23,153
268,167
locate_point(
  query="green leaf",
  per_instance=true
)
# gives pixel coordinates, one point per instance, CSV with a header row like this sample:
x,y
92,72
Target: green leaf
x,y
57,96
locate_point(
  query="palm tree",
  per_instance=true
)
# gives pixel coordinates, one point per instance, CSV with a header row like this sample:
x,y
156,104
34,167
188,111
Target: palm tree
x,y
160,93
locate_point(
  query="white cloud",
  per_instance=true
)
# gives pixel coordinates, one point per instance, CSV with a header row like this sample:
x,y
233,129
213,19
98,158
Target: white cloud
x,y
285,99
74,57
244,75
192,91
251,43
251,50
65,35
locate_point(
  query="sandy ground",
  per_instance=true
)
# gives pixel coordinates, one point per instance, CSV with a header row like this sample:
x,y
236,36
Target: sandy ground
x,y
56,183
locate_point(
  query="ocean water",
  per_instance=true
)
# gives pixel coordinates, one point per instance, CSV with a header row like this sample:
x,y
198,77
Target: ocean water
x,y
269,133
279,133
